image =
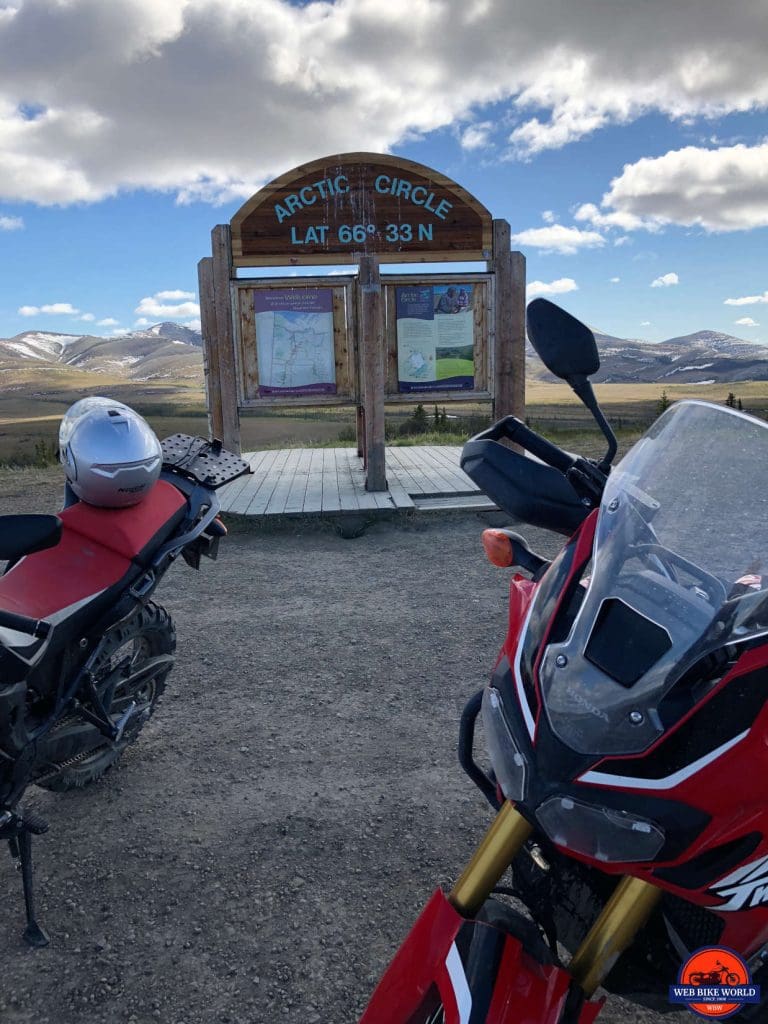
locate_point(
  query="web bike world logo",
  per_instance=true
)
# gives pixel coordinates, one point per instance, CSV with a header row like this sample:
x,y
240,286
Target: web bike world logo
x,y
714,983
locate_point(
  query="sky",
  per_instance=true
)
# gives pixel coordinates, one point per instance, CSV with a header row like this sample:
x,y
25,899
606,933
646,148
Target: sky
x,y
625,141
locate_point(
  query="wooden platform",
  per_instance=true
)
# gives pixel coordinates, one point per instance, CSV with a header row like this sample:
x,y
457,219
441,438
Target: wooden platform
x,y
319,481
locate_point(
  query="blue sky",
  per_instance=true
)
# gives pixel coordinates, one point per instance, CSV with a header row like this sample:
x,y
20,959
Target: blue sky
x,y
626,144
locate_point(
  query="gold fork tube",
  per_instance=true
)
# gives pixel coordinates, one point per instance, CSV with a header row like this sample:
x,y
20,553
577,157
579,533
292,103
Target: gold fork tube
x,y
625,913
503,840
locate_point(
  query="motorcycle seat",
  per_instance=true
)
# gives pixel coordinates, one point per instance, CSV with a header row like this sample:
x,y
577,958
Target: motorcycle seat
x,y
22,535
99,549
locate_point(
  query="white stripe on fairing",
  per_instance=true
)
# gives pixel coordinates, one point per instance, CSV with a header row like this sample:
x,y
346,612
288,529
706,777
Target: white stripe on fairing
x,y
459,981
670,781
529,722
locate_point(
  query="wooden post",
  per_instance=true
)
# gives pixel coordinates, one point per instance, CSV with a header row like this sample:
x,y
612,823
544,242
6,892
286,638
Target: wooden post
x,y
371,322
509,357
210,349
221,244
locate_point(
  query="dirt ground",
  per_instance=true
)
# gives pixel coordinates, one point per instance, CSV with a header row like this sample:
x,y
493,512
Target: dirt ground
x,y
262,850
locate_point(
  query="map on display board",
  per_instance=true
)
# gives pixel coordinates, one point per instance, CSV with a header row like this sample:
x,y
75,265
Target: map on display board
x,y
294,338
435,337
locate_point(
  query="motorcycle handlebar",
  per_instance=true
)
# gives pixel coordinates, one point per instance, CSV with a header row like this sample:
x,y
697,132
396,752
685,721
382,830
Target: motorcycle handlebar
x,y
23,624
515,430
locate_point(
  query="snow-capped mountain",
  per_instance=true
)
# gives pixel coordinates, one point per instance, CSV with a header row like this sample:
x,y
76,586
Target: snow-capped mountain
x,y
169,350
163,350
702,357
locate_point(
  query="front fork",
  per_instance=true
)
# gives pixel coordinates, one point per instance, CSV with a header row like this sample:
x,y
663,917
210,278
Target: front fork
x,y
625,913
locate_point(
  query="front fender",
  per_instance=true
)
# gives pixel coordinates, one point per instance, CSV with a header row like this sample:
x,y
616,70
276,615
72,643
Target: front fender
x,y
435,978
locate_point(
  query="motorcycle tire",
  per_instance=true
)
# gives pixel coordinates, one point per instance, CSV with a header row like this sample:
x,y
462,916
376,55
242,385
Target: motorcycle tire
x,y
147,634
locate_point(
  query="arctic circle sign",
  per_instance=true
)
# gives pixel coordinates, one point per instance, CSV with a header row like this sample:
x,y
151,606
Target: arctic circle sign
x,y
341,207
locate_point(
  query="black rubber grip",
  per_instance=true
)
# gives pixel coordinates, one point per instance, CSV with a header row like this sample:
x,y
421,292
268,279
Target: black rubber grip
x,y
23,624
515,430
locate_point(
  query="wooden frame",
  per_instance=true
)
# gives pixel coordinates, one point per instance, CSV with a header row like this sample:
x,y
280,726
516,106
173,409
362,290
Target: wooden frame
x,y
261,238
483,339
364,323
344,334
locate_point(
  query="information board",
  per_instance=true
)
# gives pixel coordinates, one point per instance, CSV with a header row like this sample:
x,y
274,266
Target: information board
x,y
435,337
294,338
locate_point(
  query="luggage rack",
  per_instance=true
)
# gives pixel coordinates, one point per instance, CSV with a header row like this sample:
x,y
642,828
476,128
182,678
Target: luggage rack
x,y
205,462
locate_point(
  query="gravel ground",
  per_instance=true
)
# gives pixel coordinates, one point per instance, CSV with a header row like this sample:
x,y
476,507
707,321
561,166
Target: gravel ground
x,y
262,850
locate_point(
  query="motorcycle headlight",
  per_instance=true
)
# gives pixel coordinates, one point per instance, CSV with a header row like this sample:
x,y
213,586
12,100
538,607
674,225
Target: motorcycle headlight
x,y
599,832
508,762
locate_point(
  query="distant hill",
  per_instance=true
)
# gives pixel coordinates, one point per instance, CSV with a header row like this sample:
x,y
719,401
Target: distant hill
x,y
705,357
163,351
169,352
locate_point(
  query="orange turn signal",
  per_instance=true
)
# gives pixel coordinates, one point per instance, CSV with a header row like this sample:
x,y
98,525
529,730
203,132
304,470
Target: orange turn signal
x,y
498,548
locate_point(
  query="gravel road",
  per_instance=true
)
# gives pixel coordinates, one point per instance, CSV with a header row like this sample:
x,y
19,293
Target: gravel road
x,y
262,850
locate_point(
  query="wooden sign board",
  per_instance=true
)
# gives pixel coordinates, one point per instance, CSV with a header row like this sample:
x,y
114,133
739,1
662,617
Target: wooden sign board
x,y
294,343
453,331
342,207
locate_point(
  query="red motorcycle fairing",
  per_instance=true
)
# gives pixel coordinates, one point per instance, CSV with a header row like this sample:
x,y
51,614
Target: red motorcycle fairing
x,y
724,869
427,982
97,549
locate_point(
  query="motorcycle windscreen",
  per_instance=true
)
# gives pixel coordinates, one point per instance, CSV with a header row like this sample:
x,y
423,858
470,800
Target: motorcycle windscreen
x,y
679,569
453,971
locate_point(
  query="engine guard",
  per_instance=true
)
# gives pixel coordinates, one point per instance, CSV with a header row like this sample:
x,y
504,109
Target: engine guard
x,y
437,977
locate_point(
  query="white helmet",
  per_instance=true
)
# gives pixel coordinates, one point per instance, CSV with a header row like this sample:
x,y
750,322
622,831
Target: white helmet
x,y
110,455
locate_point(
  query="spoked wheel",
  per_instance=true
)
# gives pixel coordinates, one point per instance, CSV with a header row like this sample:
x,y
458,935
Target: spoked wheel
x,y
148,634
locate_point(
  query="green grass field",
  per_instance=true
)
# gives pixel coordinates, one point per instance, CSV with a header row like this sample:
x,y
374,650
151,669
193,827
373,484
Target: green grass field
x,y
454,368
32,404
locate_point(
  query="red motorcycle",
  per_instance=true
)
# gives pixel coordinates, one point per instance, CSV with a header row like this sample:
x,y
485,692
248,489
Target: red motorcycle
x,y
84,651
625,724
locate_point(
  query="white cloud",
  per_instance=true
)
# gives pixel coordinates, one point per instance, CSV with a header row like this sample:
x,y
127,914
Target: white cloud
x,y
615,280
50,309
158,307
558,238
548,216
88,317
746,321
59,309
748,300
665,281
108,321
558,287
143,322
722,189
174,295
193,325
645,323
11,223
476,136
124,87
611,219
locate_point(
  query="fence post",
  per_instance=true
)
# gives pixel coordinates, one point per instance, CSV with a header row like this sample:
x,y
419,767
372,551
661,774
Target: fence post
x,y
509,357
221,244
372,345
210,349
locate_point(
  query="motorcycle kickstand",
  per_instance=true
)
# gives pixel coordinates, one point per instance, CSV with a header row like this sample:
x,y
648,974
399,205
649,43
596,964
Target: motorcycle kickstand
x,y
20,846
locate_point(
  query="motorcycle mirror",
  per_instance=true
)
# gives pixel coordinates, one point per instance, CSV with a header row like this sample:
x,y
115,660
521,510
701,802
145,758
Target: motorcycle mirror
x,y
565,345
568,349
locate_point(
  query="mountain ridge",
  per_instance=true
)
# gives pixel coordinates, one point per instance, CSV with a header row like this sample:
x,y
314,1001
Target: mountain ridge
x,y
168,351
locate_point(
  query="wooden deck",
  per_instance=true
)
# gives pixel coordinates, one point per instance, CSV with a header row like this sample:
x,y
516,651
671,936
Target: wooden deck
x,y
320,481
